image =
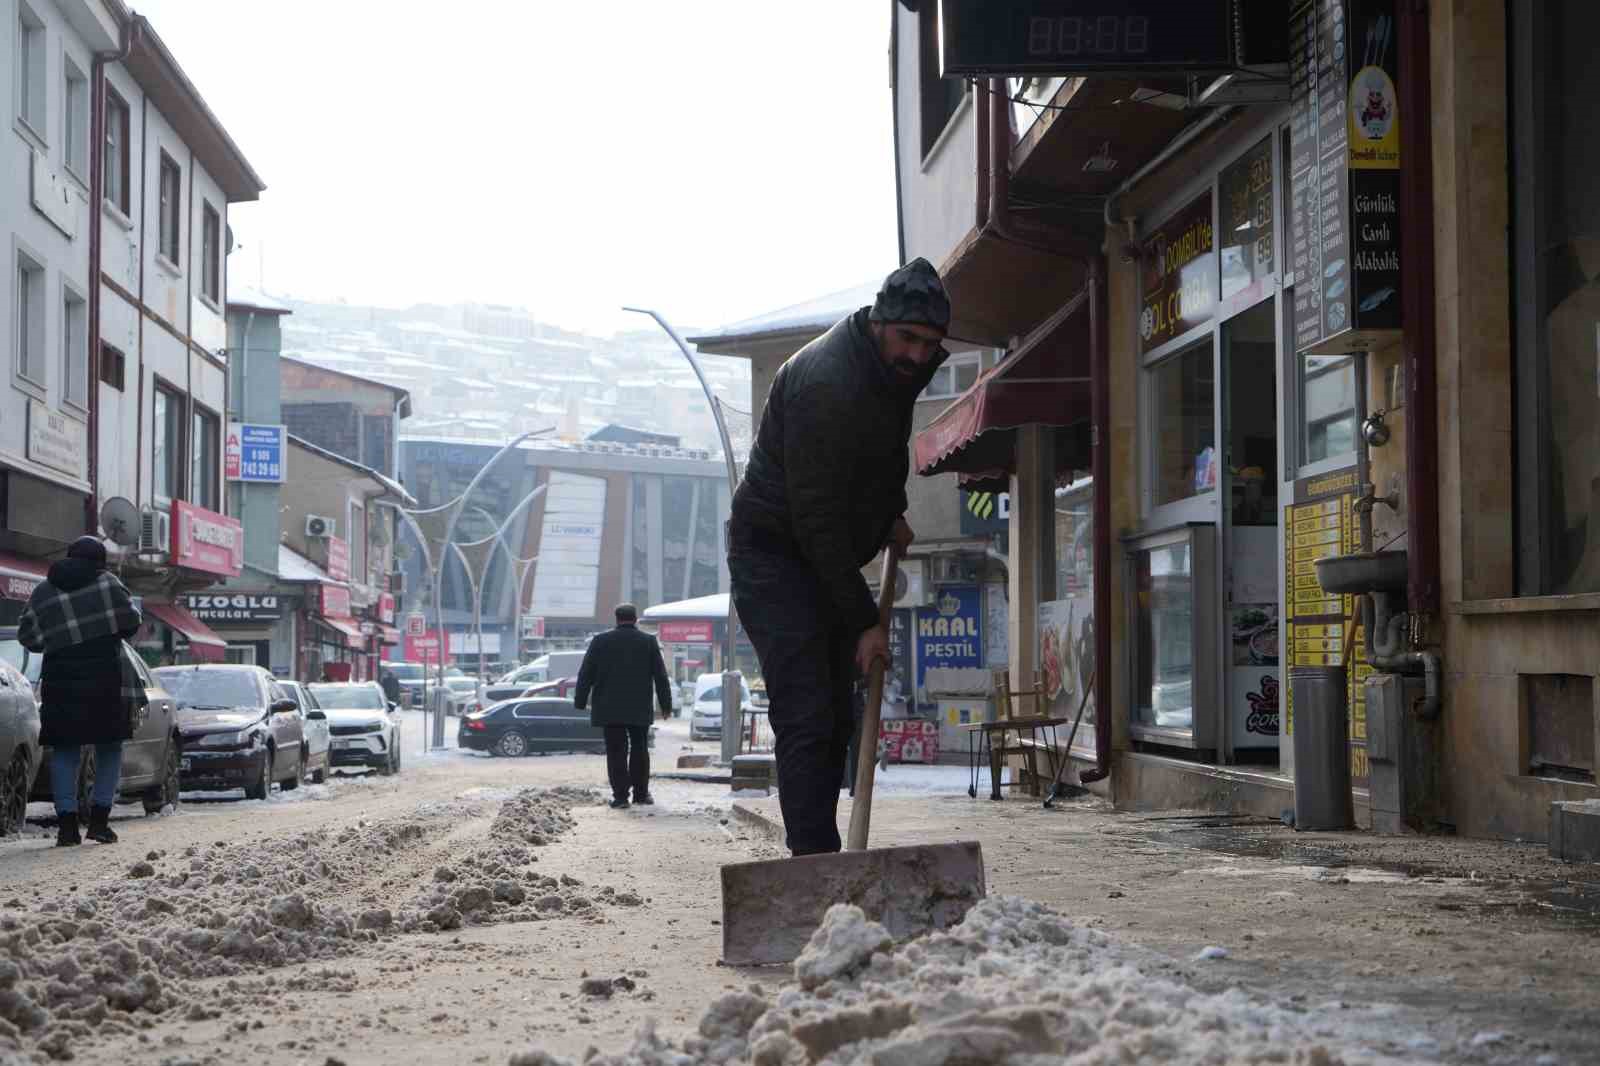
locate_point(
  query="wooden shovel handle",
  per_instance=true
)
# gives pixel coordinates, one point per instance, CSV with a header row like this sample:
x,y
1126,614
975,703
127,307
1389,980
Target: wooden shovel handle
x,y
867,755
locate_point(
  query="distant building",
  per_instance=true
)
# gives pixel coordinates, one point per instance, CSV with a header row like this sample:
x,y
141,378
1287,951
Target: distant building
x,y
345,413
615,522
616,434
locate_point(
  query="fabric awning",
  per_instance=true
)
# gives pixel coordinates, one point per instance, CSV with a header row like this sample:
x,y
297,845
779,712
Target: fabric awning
x,y
389,634
204,644
1044,382
19,576
353,637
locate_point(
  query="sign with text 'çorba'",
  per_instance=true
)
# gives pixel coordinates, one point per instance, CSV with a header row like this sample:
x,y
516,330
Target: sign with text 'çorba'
x,y
1180,276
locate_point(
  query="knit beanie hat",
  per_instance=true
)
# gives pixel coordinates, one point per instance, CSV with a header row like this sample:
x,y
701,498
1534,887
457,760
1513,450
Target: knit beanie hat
x,y
913,293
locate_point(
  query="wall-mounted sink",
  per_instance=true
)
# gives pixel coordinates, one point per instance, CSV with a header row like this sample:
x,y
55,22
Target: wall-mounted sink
x,y
1363,572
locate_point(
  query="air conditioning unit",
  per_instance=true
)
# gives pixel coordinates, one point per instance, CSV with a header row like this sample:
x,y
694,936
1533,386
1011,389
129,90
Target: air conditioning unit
x,y
155,531
911,584
320,526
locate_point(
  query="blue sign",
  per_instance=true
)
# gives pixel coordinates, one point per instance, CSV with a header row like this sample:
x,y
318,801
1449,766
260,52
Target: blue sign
x,y
255,453
950,633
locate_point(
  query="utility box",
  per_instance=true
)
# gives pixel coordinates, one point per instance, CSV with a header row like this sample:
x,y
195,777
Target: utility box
x,y
1575,831
1322,797
1403,756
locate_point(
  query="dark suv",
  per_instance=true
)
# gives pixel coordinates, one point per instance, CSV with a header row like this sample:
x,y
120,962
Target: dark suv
x,y
239,729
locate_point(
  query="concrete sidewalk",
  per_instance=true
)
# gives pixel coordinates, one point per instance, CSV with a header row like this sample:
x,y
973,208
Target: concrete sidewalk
x,y
1488,935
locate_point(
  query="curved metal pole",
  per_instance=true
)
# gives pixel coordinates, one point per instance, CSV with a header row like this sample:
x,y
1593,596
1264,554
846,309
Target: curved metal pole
x,y
449,536
477,604
499,537
730,739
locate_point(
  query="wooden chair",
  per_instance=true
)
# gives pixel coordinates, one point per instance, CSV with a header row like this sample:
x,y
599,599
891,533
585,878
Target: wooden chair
x,y
991,738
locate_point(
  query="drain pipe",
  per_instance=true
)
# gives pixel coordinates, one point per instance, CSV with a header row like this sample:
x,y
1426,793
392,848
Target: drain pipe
x,y
1100,464
97,150
1386,638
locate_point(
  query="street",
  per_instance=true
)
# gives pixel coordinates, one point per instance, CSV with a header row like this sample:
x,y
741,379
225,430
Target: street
x,y
475,909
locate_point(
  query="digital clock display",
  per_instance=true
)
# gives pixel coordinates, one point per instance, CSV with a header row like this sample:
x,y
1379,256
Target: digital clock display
x,y
1072,37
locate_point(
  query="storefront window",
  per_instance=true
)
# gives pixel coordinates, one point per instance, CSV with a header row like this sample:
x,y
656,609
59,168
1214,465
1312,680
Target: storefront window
x,y
1557,285
1185,402
1164,678
1328,403
1074,539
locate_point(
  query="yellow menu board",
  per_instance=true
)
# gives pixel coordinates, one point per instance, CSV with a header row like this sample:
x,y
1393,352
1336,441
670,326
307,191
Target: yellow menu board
x,y
1319,625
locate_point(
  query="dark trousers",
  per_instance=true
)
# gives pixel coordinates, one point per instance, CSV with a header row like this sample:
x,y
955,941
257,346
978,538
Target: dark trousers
x,y
808,663
628,759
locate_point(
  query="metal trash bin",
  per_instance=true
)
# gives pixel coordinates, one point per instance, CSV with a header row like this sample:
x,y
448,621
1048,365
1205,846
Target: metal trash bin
x,y
1321,748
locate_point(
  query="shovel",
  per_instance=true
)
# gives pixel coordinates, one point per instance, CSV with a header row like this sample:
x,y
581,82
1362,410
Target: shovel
x,y
771,908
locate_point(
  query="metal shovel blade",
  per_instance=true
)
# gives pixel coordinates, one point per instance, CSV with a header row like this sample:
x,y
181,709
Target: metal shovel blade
x,y
771,908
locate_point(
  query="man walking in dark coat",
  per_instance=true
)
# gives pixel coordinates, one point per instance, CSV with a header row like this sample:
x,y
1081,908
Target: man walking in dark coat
x,y
78,618
619,669
824,491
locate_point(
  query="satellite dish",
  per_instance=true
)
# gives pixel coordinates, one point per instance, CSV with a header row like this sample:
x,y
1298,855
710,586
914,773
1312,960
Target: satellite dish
x,y
120,519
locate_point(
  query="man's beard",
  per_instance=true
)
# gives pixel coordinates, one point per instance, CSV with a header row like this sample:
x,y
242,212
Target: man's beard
x,y
905,369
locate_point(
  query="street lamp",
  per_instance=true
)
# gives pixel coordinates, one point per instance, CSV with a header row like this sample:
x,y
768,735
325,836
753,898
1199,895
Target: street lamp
x,y
731,704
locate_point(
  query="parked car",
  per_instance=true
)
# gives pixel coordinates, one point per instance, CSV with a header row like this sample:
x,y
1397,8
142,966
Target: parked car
x,y
150,758
522,726
463,695
705,716
314,723
238,727
365,729
410,676
521,690
19,736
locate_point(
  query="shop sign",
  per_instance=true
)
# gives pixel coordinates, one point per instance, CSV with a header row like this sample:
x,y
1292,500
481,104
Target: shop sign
x,y
900,647
1180,276
467,644
386,609
950,633
55,440
984,512
1247,233
1344,167
697,632
1088,37
338,559
254,453
239,608
416,624
335,601
207,541
533,627
422,647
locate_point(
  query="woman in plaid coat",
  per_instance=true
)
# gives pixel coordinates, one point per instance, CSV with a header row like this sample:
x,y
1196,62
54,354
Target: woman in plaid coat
x,y
78,618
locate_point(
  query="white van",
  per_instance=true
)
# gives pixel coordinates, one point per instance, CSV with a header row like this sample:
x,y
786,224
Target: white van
x,y
705,720
551,667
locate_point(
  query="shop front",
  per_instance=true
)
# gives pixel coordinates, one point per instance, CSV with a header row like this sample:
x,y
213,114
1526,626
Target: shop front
x,y
333,647
19,576
206,548
258,626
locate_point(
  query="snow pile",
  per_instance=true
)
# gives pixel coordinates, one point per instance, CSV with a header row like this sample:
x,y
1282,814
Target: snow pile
x,y
493,881
95,963
1015,984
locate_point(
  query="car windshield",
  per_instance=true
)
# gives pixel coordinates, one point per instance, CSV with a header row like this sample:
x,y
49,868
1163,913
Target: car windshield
x,y
13,652
404,671
710,695
350,697
199,687
460,684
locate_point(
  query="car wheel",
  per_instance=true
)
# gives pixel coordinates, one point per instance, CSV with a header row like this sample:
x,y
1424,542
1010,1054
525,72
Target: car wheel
x,y
511,744
14,794
86,779
262,786
320,777
394,751
292,783
157,797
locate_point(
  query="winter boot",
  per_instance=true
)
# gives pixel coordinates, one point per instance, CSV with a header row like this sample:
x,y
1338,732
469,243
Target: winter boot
x,y
67,830
99,826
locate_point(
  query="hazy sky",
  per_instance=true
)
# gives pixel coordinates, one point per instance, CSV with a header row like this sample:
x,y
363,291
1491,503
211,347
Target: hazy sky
x,y
713,159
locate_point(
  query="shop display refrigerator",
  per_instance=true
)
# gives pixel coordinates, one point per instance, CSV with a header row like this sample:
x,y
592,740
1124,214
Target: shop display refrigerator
x,y
1174,655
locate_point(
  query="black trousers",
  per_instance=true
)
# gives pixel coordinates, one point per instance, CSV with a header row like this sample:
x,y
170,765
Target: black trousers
x,y
628,759
808,663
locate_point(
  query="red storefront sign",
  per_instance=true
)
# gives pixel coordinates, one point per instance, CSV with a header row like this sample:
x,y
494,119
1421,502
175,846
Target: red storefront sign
x,y
386,609
423,648
338,559
416,624
335,601
207,541
695,632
